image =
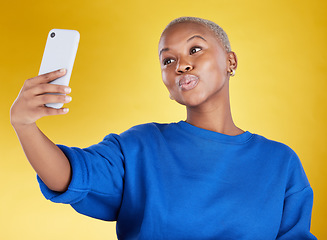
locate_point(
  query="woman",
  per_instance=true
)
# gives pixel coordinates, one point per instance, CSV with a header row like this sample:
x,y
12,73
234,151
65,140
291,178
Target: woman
x,y
203,178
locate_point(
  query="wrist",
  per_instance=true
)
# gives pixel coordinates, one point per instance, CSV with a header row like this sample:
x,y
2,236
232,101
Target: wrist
x,y
22,126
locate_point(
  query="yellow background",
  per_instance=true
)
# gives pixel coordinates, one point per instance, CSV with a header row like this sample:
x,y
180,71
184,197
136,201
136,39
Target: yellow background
x,y
278,91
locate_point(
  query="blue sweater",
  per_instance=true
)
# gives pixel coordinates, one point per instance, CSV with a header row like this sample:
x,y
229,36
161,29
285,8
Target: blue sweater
x,y
177,181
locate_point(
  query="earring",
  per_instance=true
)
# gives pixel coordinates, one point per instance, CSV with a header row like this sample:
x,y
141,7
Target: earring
x,y
232,72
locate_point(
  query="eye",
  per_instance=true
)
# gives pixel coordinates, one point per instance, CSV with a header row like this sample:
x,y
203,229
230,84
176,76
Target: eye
x,y
168,61
195,50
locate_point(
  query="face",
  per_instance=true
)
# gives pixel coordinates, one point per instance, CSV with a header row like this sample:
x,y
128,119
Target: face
x,y
194,65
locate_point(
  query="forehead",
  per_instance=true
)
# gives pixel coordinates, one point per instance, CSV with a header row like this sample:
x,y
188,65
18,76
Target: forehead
x,y
180,32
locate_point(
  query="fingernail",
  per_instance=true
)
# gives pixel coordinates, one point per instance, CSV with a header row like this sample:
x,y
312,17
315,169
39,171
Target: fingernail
x,y
66,110
62,70
68,98
68,90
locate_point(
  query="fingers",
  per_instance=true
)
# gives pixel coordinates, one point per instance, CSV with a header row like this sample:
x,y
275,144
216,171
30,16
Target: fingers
x,y
46,78
29,106
49,88
38,109
46,111
50,98
41,94
40,112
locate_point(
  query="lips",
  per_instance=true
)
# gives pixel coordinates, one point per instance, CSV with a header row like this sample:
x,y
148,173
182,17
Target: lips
x,y
187,82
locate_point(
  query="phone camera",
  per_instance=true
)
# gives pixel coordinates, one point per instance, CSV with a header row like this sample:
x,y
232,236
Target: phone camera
x,y
53,35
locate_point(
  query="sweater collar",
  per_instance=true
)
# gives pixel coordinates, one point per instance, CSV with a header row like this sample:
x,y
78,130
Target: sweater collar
x,y
215,136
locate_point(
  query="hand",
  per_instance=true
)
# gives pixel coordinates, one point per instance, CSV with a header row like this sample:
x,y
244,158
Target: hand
x,y
29,105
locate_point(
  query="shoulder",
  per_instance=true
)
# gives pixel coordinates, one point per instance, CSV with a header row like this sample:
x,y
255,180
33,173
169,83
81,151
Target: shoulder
x,y
287,159
141,133
145,129
277,153
281,154
272,146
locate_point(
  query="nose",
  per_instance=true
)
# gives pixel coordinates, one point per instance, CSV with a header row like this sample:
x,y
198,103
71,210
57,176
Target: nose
x,y
183,66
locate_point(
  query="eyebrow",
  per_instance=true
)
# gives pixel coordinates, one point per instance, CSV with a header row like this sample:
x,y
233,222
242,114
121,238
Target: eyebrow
x,y
195,36
198,36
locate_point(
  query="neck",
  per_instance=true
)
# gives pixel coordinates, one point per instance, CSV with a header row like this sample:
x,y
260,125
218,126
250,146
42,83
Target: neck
x,y
214,116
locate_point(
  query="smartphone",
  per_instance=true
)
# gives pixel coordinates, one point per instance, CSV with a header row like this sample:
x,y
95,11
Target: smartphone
x,y
60,52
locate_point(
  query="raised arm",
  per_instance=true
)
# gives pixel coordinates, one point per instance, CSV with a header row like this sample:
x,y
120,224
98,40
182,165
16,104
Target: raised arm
x,y
49,162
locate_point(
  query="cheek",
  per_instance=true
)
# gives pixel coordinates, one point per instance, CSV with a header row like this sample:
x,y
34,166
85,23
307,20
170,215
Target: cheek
x,y
213,66
166,78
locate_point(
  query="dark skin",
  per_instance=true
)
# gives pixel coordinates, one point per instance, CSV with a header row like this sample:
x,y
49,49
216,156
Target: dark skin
x,y
46,158
207,101
191,50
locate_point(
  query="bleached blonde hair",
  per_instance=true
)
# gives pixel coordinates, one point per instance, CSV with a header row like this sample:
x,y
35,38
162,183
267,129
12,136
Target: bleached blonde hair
x,y
215,28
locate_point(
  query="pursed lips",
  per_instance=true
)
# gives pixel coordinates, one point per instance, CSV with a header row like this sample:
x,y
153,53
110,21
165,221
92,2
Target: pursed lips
x,y
187,81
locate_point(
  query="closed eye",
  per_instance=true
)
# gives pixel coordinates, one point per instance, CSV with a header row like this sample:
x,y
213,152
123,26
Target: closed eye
x,y
195,50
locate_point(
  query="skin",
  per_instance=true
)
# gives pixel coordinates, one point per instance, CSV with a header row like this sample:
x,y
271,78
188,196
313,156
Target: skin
x,y
192,48
46,158
207,103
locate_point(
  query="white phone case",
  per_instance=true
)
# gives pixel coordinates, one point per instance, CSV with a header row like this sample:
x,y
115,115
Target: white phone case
x,y
60,52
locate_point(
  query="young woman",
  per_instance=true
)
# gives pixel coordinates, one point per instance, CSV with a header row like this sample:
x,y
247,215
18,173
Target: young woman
x,y
203,178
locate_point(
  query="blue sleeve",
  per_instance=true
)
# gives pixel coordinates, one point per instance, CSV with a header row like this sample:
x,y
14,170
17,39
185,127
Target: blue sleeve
x,y
97,180
298,204
297,216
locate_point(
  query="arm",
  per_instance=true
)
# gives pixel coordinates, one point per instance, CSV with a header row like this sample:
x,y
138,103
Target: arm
x,y
298,202
45,157
297,216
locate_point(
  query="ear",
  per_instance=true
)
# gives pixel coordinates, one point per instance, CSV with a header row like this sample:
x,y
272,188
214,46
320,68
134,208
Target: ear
x,y
232,61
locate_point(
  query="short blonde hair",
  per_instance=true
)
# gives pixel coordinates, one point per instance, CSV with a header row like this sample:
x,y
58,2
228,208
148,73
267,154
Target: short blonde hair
x,y
217,30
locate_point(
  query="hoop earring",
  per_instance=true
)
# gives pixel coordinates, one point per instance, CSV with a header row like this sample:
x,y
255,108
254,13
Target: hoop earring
x,y
232,72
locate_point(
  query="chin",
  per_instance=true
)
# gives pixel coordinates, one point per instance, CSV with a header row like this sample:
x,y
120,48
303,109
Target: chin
x,y
192,101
